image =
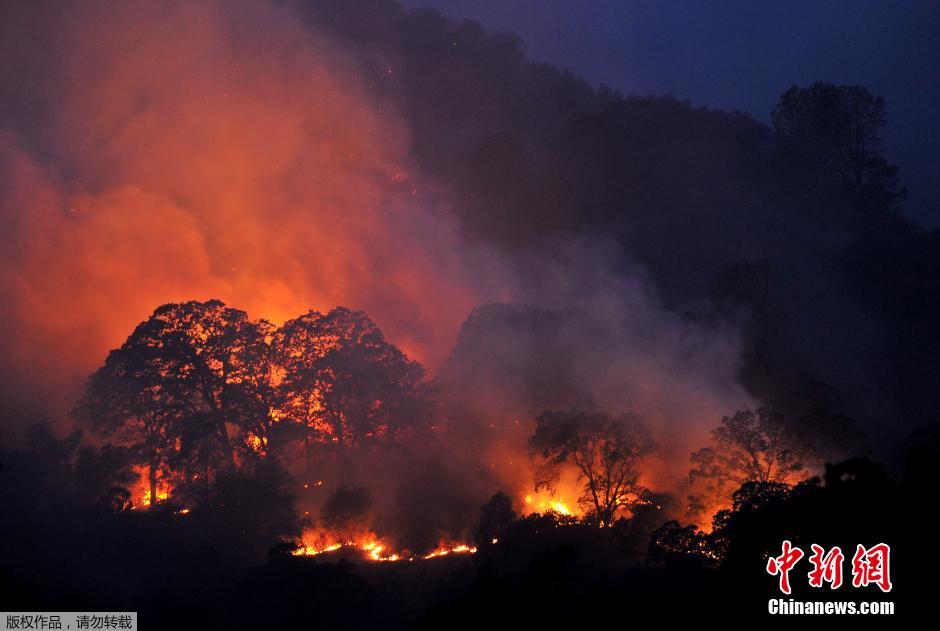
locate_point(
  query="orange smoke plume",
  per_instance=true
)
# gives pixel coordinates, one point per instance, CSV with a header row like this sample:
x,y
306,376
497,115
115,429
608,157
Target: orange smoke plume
x,y
209,149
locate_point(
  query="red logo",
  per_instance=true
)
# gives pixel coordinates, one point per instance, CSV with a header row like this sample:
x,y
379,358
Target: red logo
x,y
783,564
870,566
827,568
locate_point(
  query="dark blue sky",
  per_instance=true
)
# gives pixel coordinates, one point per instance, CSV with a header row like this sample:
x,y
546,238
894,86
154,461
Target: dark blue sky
x,y
741,54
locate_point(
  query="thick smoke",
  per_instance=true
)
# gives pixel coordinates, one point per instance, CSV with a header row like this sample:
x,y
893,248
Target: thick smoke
x,y
584,335
193,150
171,151
588,335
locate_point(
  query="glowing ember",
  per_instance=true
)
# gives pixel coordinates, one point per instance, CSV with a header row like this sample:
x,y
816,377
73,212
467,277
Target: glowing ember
x,y
255,443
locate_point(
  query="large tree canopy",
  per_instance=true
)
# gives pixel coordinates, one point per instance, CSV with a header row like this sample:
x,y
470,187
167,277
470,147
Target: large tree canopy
x,y
342,381
198,385
184,379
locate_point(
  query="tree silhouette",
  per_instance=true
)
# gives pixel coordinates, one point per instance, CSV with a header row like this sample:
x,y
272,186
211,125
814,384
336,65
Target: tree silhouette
x,y
495,517
606,451
55,458
835,130
212,360
672,541
104,475
247,510
297,347
341,381
125,400
751,446
182,378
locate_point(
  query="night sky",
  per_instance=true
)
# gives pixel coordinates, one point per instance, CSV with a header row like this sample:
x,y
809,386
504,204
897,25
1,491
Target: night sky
x,y
741,54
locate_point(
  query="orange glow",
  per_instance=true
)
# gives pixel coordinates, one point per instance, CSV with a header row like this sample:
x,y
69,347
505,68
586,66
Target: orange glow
x,y
161,495
371,547
561,498
703,518
445,549
255,444
140,490
375,550
254,165
544,501
251,165
311,550
315,542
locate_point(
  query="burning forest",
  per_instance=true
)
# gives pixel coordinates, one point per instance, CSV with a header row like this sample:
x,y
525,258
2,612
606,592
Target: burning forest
x,y
346,314
199,392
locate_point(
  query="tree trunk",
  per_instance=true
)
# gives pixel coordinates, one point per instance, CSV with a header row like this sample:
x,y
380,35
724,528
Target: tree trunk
x,y
226,442
307,449
153,486
221,410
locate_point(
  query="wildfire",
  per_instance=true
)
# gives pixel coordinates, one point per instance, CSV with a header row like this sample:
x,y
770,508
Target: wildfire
x,y
140,493
311,550
543,502
375,552
561,497
256,444
140,490
704,517
162,494
441,551
373,548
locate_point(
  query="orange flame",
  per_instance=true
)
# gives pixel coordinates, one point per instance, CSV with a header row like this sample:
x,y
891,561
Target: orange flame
x,y
140,490
544,501
444,550
373,548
